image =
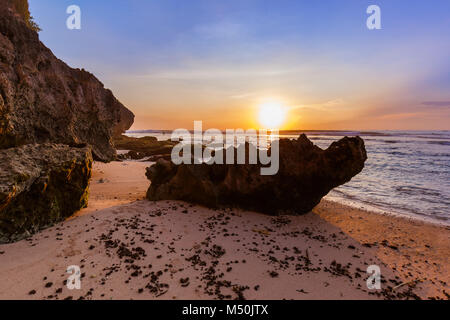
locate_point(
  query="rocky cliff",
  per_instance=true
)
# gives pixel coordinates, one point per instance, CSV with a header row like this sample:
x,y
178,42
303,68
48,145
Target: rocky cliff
x,y
53,119
43,100
306,174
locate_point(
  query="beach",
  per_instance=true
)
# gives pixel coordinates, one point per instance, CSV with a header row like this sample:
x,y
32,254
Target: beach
x,y
131,248
242,150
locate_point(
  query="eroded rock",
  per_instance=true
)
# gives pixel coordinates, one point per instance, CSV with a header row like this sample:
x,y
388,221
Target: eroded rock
x,y
145,147
41,184
306,174
43,100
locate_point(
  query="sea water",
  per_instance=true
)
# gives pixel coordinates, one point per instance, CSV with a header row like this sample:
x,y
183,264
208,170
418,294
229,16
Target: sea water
x,y
407,172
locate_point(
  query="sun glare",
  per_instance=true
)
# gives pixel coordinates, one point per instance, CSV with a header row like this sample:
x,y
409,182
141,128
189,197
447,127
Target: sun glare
x,y
272,115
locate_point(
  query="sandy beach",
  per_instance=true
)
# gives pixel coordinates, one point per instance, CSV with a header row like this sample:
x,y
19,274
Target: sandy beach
x,y
232,150
131,248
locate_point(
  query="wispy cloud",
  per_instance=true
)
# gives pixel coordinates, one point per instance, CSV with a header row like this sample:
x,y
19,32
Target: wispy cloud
x,y
400,116
436,103
333,103
220,30
244,95
207,73
338,102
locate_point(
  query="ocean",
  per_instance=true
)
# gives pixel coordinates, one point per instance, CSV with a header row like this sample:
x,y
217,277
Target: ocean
x,y
406,173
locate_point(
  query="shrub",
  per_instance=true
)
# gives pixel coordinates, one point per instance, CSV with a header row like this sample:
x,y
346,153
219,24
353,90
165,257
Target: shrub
x,y
21,7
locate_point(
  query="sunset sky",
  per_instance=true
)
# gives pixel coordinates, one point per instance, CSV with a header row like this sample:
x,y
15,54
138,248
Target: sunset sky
x,y
172,62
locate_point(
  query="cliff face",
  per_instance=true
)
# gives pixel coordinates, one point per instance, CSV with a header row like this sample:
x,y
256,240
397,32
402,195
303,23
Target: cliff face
x,y
53,119
21,7
44,100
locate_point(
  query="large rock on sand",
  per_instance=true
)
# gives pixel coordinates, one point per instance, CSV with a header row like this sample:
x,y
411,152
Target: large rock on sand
x,y
44,100
306,174
40,185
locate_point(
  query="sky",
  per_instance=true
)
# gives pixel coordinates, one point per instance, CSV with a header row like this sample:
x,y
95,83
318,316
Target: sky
x,y
173,62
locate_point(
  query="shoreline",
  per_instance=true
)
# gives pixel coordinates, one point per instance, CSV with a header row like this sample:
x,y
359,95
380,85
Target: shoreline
x,y
406,197
372,208
321,255
414,247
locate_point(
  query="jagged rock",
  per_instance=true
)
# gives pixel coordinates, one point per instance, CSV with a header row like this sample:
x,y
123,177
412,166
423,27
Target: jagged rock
x,y
41,184
306,174
155,158
44,100
140,148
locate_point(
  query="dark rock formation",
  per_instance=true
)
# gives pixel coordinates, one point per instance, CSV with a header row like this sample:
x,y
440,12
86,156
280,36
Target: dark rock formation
x,y
51,117
41,184
306,174
145,147
44,100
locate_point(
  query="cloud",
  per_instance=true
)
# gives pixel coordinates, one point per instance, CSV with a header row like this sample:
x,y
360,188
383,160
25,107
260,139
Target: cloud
x,y
335,102
338,102
436,103
401,116
244,95
215,73
219,30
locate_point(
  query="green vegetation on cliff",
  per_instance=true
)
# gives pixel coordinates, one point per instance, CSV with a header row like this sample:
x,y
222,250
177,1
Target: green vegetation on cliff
x,y
22,8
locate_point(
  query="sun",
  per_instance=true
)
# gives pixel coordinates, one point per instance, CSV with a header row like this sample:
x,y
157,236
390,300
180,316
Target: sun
x,y
272,115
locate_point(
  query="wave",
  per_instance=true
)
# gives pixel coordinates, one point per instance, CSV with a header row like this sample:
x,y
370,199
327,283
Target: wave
x,y
414,190
442,143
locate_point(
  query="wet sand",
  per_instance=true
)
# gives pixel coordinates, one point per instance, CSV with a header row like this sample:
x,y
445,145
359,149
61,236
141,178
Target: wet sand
x,y
131,248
